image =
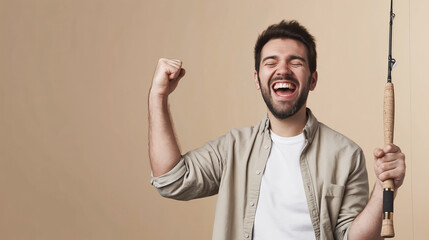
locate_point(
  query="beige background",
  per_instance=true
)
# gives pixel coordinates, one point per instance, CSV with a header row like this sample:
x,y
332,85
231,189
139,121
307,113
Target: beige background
x,y
74,78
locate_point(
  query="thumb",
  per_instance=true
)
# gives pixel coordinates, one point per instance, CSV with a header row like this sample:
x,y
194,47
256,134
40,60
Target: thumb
x,y
177,75
175,81
378,153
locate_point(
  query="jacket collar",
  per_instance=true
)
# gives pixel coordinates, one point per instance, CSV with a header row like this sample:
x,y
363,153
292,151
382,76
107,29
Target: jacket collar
x,y
311,126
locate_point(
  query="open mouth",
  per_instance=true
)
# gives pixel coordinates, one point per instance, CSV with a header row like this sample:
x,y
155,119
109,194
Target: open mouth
x,y
284,89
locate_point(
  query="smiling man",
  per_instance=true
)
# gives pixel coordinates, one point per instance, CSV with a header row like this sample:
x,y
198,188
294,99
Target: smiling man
x,y
290,176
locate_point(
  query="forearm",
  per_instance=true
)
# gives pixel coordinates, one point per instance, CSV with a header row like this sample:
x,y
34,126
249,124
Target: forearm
x,y
164,152
367,224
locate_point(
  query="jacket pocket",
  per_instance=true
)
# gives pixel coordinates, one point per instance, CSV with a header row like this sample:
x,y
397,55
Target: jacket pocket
x,y
332,197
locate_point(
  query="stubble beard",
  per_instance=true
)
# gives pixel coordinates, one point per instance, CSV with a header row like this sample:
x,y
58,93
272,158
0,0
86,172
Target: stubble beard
x,y
286,112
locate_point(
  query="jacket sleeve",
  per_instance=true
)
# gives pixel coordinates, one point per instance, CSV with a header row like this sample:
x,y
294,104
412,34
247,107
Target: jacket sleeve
x,y
196,175
355,196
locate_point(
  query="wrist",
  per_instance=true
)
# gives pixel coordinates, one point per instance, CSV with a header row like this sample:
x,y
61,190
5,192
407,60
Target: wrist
x,y
155,95
157,102
378,185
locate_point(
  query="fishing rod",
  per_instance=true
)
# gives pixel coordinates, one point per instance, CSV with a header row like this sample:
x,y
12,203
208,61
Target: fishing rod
x,y
387,230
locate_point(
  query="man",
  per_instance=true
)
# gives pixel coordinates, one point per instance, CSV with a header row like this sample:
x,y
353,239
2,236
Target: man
x,y
289,177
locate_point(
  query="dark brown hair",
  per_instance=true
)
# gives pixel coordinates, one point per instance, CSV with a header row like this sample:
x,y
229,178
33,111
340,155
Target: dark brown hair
x,y
287,29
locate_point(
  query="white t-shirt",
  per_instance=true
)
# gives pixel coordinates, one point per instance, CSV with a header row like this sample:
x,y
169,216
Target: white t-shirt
x,y
282,211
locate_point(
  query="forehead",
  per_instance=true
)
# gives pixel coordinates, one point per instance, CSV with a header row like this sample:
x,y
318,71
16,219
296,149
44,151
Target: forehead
x,y
284,47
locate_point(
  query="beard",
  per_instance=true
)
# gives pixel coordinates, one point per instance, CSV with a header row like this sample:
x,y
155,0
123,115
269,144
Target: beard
x,y
283,112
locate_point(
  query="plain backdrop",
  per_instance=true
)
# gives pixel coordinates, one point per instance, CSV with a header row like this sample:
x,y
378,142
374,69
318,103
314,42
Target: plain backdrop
x,y
74,78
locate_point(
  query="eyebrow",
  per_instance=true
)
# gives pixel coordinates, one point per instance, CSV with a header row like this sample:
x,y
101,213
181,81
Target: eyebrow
x,y
269,57
297,57
293,57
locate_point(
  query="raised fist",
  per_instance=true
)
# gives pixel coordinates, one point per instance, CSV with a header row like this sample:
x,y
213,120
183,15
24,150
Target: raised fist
x,y
167,75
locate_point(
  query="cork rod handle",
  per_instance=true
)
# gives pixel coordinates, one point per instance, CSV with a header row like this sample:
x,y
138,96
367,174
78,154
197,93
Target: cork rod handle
x,y
388,185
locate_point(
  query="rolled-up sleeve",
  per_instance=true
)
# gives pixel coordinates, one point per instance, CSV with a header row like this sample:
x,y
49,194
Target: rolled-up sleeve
x,y
196,175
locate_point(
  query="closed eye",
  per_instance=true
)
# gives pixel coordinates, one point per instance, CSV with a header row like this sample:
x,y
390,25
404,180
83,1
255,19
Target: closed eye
x,y
270,64
296,61
296,64
270,61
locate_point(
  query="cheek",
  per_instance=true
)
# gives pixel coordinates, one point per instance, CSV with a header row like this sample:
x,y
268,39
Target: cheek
x,y
304,76
266,75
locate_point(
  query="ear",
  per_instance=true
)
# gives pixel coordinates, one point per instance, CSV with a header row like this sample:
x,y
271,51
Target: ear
x,y
313,82
255,76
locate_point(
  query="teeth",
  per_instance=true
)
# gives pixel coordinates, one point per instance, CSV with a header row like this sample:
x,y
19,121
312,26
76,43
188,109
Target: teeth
x,y
283,85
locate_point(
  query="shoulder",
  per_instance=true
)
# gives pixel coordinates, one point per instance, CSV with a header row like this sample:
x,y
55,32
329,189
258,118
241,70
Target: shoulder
x,y
335,138
248,133
326,137
238,139
339,148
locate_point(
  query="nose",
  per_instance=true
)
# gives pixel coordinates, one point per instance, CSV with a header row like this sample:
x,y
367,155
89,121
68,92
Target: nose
x,y
283,69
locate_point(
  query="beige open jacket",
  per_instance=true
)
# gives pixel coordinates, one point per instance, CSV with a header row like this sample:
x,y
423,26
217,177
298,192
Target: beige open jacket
x,y
332,166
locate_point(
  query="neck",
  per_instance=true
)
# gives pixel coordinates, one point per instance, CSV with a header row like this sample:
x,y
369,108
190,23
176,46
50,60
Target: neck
x,y
291,126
